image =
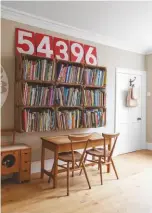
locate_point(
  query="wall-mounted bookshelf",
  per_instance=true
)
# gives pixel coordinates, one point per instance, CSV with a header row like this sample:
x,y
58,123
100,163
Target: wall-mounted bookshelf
x,y
58,95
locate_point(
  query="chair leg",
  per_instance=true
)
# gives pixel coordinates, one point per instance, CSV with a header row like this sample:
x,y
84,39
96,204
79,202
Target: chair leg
x,y
49,180
85,172
100,167
114,168
68,178
84,163
72,170
51,173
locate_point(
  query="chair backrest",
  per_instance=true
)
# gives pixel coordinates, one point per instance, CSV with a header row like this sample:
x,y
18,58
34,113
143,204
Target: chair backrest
x,y
8,132
110,137
75,138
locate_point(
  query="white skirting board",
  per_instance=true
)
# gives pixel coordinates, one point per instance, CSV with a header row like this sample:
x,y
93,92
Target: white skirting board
x,y
36,166
149,146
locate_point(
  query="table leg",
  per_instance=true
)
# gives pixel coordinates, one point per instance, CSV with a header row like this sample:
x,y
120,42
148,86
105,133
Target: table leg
x,y
55,169
42,161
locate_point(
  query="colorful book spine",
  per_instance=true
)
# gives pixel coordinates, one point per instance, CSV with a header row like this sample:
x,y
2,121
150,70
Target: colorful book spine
x,y
68,96
94,77
38,70
38,96
94,118
38,121
94,97
69,119
69,74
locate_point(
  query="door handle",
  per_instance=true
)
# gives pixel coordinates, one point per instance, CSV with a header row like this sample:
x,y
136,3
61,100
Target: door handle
x,y
138,119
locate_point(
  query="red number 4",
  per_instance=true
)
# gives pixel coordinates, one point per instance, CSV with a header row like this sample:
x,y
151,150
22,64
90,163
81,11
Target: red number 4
x,y
44,45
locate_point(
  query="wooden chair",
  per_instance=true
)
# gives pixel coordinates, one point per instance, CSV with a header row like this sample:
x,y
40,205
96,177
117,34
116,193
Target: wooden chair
x,y
75,158
103,155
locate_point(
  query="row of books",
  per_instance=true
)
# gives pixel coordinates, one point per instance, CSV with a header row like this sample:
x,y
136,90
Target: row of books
x,y
38,70
69,73
94,98
94,118
44,70
45,120
68,96
63,96
94,77
69,119
38,95
38,121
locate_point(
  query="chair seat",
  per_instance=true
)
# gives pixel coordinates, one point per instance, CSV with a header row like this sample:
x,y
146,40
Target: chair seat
x,y
67,156
99,152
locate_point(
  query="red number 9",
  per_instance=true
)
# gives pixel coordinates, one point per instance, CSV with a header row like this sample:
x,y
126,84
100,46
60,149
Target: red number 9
x,y
77,52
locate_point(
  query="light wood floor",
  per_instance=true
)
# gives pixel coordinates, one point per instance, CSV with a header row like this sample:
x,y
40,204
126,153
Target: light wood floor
x,y
132,193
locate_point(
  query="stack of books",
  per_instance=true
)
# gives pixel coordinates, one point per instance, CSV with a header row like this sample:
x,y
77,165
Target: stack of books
x,y
69,119
94,77
38,121
65,96
38,70
38,95
69,74
94,98
94,118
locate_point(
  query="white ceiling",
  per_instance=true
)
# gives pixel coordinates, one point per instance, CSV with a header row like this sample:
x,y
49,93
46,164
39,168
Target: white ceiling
x,y
127,25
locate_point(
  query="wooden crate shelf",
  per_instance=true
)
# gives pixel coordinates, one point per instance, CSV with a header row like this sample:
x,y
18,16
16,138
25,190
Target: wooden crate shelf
x,y
93,107
70,107
94,87
20,82
70,63
68,84
36,107
37,82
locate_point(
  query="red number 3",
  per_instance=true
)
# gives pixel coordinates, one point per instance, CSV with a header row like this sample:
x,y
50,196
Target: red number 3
x,y
61,48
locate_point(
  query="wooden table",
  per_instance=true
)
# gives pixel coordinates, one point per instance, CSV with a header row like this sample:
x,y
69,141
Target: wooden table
x,y
62,144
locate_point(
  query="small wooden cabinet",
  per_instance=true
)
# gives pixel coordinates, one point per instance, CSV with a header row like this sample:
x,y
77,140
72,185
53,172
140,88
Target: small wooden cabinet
x,y
25,168
16,159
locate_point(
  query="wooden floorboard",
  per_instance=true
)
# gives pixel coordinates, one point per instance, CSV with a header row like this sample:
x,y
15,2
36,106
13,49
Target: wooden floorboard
x,y
132,193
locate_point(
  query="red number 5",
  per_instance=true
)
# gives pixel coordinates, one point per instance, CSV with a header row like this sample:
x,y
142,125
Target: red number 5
x,y
25,42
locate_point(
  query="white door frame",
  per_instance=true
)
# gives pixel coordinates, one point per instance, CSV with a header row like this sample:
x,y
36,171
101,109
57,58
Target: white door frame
x,y
143,101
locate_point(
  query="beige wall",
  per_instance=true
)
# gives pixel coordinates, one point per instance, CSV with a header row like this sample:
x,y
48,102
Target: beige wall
x,y
107,56
149,99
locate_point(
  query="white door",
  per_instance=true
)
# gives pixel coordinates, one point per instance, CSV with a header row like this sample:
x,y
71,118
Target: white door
x,y
130,121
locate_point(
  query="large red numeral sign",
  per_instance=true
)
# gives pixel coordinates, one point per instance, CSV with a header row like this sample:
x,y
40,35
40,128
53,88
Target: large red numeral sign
x,y
90,55
76,52
61,49
25,42
44,45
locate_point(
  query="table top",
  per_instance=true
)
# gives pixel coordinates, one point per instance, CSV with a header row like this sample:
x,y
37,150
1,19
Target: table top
x,y
63,139
14,147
